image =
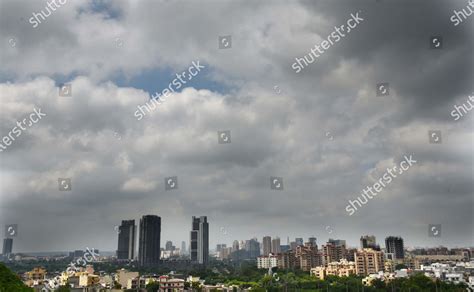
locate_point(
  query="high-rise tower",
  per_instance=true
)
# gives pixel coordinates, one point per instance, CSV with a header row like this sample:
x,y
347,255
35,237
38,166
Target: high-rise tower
x,y
126,240
149,241
199,247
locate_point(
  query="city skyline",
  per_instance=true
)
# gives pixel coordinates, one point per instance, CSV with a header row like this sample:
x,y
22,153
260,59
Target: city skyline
x,y
128,227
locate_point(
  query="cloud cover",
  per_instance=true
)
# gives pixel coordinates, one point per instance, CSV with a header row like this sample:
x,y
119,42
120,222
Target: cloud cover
x,y
118,164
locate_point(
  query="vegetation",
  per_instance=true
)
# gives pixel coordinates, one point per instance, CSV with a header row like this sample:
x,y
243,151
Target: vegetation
x,y
153,287
11,282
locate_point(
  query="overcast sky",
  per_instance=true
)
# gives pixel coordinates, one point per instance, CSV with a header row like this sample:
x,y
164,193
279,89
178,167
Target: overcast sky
x,y
323,130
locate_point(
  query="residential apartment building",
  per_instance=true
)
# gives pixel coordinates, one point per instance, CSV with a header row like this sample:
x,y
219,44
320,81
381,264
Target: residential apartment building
x,y
308,256
369,261
343,268
288,260
334,250
123,277
266,262
168,284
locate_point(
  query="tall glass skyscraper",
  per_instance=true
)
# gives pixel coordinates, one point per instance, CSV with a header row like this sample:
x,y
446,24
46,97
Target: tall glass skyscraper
x,y
149,241
126,240
199,245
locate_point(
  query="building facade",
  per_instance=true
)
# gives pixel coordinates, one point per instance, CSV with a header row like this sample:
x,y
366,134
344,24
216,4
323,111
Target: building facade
x,y
299,241
334,250
369,261
368,241
343,268
266,262
199,240
235,245
252,247
267,245
168,284
7,246
276,245
394,245
149,242
126,240
308,256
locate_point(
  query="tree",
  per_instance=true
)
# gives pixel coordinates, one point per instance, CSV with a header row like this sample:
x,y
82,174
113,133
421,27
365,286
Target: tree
x,y
196,286
153,287
378,284
11,282
63,289
400,266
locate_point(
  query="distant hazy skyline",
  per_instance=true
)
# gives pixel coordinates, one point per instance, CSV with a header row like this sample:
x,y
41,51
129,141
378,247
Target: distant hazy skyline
x,y
325,132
